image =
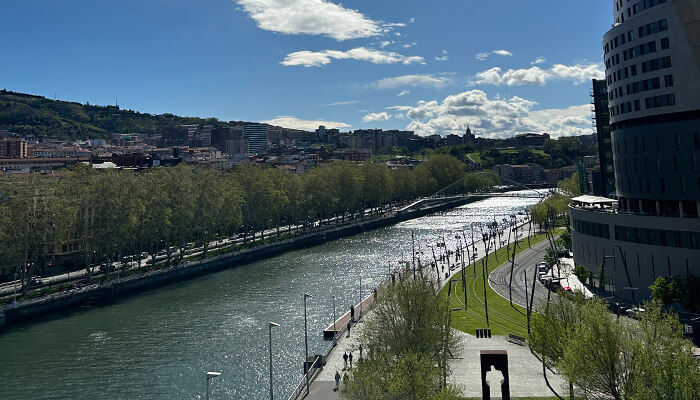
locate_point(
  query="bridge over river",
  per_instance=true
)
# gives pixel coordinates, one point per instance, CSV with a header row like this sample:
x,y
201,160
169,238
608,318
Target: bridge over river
x,y
159,344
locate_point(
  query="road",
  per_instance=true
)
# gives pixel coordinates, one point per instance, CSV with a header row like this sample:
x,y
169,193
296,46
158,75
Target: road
x,y
524,262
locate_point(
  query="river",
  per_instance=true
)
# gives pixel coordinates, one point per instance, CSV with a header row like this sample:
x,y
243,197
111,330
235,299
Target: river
x,y
159,344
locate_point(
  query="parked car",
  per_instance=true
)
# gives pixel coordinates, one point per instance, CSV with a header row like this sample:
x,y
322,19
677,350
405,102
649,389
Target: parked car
x,y
618,308
635,312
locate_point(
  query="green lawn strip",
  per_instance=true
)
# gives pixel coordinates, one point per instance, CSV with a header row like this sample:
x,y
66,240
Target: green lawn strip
x,y
518,398
504,319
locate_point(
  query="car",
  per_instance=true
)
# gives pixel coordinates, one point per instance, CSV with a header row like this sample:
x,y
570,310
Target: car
x,y
618,308
566,289
35,281
635,312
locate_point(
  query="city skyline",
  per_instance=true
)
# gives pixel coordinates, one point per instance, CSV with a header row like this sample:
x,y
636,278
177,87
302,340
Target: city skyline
x,y
502,69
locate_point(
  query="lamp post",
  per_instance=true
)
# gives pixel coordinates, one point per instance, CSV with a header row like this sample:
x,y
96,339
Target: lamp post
x,y
444,350
335,330
210,375
270,325
360,298
624,263
306,345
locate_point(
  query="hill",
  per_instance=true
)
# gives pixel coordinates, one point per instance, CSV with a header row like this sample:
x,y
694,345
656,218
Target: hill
x,y
28,114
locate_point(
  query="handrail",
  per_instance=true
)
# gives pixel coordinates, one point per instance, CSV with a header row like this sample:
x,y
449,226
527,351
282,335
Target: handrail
x,y
313,371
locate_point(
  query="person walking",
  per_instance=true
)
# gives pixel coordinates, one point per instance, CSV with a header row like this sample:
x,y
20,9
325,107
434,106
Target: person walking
x,y
350,359
360,351
345,358
337,380
349,325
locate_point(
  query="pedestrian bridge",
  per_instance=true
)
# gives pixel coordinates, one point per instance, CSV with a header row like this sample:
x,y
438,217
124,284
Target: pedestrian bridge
x,y
435,200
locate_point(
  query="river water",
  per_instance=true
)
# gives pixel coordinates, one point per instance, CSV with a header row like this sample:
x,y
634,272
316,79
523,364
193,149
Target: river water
x,y
159,344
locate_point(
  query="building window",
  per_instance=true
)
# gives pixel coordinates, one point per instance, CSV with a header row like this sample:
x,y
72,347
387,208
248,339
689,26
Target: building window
x,y
668,80
665,44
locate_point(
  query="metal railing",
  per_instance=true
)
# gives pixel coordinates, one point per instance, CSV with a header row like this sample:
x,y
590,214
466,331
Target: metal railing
x,y
301,387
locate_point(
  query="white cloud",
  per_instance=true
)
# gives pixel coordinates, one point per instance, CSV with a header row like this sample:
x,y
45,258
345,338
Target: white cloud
x,y
343,103
403,93
444,56
502,52
481,56
493,117
579,73
531,76
408,45
311,17
318,58
382,116
307,125
411,20
418,80
385,43
538,60
537,76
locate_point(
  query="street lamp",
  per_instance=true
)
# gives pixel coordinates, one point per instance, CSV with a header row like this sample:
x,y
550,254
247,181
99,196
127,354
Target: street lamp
x,y
624,263
335,330
270,325
361,297
210,375
306,345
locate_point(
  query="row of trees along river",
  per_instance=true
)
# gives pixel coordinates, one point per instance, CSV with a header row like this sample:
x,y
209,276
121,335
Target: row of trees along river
x,y
100,216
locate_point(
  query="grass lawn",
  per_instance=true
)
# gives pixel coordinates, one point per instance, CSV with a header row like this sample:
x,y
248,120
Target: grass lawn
x,y
503,318
518,398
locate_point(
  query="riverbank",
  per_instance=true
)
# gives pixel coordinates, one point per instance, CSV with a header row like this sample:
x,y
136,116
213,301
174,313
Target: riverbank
x,y
30,310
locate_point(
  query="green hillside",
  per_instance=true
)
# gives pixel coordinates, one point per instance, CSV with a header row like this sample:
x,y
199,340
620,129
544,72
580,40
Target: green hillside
x,y
36,115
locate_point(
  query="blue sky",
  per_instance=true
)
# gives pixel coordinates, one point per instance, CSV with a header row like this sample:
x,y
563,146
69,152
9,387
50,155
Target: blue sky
x,y
501,67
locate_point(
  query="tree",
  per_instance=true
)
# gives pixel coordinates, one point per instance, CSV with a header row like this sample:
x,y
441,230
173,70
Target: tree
x,y
608,358
581,273
665,291
406,336
664,367
570,185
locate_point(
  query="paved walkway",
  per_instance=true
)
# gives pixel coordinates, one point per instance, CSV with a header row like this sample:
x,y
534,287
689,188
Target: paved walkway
x,y
525,380
524,370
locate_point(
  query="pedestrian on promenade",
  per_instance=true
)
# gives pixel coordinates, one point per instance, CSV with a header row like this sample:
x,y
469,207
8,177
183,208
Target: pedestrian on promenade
x,y
360,351
352,313
345,358
337,380
350,359
349,325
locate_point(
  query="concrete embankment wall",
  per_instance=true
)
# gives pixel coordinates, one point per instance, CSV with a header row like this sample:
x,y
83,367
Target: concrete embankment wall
x,y
31,309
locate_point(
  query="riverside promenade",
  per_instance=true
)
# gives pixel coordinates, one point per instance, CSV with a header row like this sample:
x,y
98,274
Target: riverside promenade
x,y
525,370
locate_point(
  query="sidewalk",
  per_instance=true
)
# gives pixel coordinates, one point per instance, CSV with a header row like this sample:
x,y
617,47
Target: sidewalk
x,y
322,387
569,279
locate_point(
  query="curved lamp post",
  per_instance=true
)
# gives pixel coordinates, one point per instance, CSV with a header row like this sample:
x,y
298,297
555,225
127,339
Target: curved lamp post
x,y
270,325
210,375
306,345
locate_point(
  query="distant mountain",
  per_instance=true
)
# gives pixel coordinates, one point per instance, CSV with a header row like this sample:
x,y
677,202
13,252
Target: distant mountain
x,y
27,114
